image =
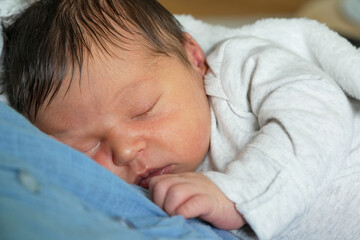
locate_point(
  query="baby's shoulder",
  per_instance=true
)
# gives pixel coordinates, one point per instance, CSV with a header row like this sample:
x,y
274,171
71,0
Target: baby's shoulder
x,y
242,59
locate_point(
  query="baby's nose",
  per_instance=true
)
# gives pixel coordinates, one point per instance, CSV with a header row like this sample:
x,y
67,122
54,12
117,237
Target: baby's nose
x,y
126,149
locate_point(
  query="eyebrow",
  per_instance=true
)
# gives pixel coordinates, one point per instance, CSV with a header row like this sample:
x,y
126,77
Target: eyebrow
x,y
131,87
128,88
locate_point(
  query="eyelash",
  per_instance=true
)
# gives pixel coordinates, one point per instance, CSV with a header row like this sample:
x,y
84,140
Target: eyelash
x,y
147,111
92,150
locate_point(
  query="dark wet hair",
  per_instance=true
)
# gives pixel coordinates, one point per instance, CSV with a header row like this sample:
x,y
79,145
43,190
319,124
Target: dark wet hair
x,y
50,39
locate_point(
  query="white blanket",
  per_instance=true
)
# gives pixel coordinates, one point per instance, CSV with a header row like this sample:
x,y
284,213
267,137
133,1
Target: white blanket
x,y
307,38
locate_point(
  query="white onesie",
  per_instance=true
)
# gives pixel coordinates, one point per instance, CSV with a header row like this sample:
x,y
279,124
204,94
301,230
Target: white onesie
x,y
282,136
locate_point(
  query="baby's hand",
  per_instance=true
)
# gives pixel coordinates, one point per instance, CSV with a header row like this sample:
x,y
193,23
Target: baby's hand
x,y
194,195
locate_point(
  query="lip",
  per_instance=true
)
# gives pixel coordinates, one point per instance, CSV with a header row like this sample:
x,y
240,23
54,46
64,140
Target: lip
x,y
143,180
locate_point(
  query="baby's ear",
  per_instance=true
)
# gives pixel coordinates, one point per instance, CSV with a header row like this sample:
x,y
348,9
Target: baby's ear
x,y
195,54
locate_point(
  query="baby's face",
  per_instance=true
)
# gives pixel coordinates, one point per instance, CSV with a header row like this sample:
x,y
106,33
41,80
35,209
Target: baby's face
x,y
136,115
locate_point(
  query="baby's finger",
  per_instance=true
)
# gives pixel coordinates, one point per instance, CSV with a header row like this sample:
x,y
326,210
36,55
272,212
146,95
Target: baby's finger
x,y
159,187
177,194
196,206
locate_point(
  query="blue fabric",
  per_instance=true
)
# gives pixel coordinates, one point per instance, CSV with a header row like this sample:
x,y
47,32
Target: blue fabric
x,y
50,191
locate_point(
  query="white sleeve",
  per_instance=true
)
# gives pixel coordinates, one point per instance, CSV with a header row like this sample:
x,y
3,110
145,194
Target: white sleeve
x,y
304,137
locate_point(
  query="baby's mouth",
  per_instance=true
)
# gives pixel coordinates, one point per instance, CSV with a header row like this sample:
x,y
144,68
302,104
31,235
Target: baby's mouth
x,y
144,179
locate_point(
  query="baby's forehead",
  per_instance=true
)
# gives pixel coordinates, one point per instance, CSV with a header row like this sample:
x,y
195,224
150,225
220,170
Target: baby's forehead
x,y
101,69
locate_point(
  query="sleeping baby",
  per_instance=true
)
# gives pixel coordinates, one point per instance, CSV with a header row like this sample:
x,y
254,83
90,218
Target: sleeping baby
x,y
249,134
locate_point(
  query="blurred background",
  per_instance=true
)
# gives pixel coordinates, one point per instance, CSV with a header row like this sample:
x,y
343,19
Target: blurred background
x,y
342,16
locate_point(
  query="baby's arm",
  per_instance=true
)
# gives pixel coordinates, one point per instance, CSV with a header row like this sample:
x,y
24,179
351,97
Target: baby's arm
x,y
194,195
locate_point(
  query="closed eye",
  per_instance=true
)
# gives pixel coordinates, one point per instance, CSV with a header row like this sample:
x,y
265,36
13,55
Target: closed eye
x,y
92,150
148,109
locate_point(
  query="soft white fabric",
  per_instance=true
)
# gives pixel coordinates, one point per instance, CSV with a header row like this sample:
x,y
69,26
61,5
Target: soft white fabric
x,y
307,38
281,131
285,140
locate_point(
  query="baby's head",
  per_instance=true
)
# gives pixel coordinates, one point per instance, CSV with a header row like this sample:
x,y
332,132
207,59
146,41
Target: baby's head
x,y
115,79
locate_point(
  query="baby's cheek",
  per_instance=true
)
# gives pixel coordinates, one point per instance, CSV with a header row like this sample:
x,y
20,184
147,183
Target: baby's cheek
x,y
104,159
202,137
